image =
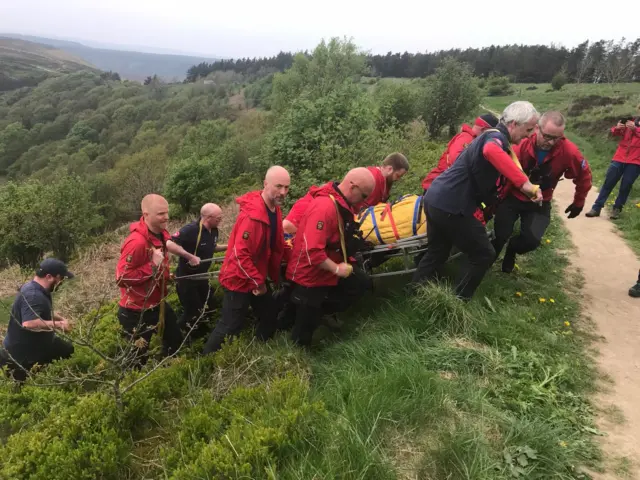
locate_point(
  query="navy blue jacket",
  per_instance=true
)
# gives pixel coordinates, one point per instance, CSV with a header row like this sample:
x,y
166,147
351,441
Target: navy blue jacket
x,y
472,180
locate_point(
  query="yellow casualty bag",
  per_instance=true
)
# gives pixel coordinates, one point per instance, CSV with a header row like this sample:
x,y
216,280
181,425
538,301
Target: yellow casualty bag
x,y
387,223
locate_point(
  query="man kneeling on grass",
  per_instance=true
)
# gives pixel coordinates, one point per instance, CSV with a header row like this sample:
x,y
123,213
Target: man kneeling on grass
x,y
31,336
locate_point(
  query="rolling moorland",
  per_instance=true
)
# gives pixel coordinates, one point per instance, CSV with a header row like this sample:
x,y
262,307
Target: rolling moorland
x,y
420,388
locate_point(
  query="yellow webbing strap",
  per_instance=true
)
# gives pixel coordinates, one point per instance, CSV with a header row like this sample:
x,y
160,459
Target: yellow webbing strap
x,y
199,237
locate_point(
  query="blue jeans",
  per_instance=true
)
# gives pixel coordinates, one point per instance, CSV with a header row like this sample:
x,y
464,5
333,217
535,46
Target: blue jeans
x,y
617,170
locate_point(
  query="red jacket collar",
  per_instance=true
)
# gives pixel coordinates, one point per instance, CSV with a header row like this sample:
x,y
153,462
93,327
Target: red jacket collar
x,y
529,146
467,129
253,205
142,228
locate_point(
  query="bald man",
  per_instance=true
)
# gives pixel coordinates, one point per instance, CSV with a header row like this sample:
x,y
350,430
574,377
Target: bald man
x,y
256,245
322,280
142,274
195,242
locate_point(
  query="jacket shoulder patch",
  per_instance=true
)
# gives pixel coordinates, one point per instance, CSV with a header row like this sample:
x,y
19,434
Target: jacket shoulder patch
x,y
129,258
320,225
245,235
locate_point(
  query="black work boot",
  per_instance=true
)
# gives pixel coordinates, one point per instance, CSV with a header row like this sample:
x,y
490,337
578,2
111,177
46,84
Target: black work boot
x,y
635,291
615,213
592,213
509,261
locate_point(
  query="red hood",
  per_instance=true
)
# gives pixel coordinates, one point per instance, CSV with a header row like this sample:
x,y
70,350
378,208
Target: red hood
x,y
253,205
331,188
141,228
467,129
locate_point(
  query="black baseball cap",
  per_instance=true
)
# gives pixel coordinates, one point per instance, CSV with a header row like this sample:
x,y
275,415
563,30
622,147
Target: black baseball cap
x,y
55,267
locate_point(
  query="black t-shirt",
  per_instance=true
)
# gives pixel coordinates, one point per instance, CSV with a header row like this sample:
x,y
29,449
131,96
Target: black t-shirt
x,y
273,222
32,302
187,238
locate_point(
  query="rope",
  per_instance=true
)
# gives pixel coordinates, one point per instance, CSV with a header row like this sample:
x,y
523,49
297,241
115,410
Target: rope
x,y
387,209
199,237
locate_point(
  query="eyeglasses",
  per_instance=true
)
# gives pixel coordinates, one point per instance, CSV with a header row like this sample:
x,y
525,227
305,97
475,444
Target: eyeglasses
x,y
550,138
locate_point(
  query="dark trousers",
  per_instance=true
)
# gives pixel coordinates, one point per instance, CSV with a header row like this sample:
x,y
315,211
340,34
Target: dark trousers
x,y
468,235
143,324
308,304
534,220
196,297
235,306
628,172
41,354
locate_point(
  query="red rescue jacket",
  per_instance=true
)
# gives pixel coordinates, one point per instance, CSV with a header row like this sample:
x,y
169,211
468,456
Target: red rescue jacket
x,y
140,287
455,146
628,150
563,159
317,239
380,193
300,206
249,258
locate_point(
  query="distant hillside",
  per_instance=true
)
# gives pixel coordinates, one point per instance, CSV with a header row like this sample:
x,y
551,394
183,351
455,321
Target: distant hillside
x,y
129,64
24,63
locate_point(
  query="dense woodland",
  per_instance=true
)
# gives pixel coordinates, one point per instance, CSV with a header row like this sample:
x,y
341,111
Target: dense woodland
x,y
603,61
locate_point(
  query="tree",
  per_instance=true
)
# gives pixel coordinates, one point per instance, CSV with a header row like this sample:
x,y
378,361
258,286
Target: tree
x,y
559,80
397,102
619,62
188,181
451,96
38,217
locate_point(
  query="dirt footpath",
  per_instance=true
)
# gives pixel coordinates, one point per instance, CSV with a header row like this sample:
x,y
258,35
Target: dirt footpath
x,y
610,267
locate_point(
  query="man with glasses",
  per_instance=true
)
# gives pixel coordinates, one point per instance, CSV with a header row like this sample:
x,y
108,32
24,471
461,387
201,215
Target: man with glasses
x,y
199,241
545,157
472,181
322,280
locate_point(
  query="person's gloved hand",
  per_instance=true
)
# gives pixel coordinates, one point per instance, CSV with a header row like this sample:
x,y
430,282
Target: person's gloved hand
x,y
573,211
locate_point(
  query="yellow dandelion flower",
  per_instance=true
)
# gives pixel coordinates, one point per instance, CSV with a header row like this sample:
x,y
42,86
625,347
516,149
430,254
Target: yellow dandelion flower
x,y
542,300
567,324
552,300
548,241
518,294
516,266
638,205
562,443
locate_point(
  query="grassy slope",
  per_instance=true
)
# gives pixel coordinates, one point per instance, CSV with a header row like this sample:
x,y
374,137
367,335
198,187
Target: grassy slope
x,y
588,129
420,388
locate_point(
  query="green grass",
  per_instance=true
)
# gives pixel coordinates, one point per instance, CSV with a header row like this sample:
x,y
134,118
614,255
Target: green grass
x,y
5,310
588,128
420,387
441,390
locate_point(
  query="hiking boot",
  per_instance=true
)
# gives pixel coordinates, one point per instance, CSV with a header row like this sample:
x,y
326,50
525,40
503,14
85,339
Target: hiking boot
x,y
592,213
615,213
509,261
332,322
635,291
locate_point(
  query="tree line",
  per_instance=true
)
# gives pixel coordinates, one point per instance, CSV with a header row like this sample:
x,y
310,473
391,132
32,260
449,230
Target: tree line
x,y
607,61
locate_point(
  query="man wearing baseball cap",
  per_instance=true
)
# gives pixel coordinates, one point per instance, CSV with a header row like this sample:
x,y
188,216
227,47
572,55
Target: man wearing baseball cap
x,y
31,336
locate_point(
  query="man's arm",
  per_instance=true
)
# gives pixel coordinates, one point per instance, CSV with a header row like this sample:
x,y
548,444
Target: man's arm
x,y
35,310
506,166
246,242
220,248
135,266
582,180
176,249
618,130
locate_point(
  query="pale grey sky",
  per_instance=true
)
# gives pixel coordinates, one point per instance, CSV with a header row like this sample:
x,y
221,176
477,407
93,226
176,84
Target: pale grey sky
x,y
264,27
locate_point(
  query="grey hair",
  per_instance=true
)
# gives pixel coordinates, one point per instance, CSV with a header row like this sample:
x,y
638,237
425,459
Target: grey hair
x,y
519,112
552,116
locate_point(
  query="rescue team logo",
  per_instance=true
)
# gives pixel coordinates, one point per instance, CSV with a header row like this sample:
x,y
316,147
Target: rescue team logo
x,y
584,163
245,235
320,225
129,258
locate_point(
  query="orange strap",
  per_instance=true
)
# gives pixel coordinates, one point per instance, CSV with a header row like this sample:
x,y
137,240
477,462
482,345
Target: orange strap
x,y
387,210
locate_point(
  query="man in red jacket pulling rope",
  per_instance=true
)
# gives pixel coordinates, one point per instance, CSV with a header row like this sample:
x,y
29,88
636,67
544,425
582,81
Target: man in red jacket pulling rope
x,y
545,157
254,252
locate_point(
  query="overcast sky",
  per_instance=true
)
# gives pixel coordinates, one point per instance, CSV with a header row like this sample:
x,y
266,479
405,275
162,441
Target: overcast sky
x,y
264,27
